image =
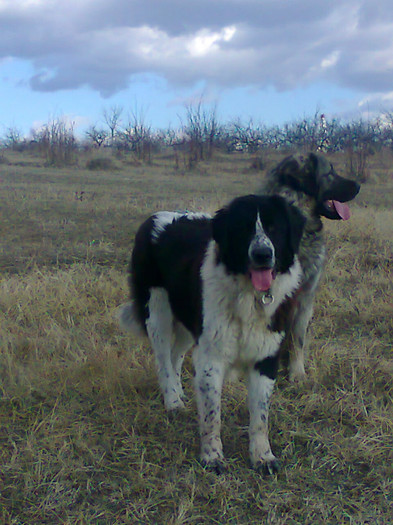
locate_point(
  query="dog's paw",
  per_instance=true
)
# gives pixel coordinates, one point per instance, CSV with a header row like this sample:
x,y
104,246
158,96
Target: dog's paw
x,y
173,401
267,468
218,465
297,373
172,406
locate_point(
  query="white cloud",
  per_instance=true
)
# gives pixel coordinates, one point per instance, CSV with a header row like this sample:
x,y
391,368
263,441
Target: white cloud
x,y
377,101
205,41
331,60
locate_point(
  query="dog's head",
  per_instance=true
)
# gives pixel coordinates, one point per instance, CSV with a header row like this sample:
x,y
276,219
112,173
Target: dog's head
x,y
258,236
315,176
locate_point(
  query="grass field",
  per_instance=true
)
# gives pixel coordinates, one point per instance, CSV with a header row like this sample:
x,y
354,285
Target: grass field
x,y
84,438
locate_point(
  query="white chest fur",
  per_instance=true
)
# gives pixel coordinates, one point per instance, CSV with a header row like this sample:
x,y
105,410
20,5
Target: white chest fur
x,y
236,323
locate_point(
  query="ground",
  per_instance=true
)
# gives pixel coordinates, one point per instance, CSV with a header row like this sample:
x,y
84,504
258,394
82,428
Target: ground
x,y
84,437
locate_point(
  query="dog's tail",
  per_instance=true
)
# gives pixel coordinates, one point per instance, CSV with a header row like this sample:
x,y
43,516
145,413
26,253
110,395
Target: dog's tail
x,y
129,320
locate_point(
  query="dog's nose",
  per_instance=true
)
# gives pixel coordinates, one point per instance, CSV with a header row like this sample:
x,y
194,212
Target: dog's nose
x,y
357,187
262,256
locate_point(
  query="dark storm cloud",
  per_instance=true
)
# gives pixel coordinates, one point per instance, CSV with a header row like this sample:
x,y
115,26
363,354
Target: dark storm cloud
x,y
178,16
228,43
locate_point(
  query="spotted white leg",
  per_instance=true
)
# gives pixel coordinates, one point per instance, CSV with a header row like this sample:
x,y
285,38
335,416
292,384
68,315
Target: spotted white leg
x,y
209,375
159,327
261,380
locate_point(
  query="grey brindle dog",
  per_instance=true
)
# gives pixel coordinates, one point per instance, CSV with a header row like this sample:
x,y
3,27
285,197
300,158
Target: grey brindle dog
x,y
311,184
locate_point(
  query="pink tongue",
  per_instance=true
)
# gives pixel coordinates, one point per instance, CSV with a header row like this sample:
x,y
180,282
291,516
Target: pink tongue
x,y
261,279
342,210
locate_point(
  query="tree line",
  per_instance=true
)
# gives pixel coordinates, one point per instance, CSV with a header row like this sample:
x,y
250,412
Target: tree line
x,y
200,133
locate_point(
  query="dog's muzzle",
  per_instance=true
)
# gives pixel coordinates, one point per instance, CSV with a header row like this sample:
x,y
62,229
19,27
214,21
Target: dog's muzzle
x,y
262,256
332,201
261,267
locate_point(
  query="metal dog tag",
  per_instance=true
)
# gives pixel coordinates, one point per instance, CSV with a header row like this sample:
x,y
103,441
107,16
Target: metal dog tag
x,y
267,298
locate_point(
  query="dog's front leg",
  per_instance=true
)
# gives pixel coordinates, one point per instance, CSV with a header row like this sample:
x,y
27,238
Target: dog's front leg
x,y
260,389
209,375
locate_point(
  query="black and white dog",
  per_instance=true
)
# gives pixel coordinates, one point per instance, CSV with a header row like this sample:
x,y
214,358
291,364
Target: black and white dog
x,y
216,283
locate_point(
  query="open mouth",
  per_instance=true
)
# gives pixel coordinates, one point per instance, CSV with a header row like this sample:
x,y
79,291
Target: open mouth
x,y
338,208
332,203
262,278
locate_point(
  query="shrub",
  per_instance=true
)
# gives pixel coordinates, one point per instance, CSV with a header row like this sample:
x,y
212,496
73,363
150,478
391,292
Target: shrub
x,y
100,163
56,142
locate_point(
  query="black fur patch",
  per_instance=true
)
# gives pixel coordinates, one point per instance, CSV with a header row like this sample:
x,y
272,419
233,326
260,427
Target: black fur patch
x,y
171,262
234,227
268,367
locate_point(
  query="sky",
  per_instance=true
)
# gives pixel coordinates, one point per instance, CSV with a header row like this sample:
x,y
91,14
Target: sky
x,y
272,61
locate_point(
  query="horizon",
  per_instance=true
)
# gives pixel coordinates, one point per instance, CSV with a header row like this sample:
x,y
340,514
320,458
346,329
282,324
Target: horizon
x,y
80,130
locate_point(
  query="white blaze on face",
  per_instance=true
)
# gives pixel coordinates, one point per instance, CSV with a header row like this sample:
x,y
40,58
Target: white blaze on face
x,y
261,278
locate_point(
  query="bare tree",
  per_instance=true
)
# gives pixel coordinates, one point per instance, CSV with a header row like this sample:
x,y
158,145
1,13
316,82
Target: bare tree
x,y
386,129
56,141
13,138
244,136
97,136
137,135
359,140
303,134
112,118
201,130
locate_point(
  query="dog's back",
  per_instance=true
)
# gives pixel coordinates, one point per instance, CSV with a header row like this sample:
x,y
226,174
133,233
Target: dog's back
x,y
168,244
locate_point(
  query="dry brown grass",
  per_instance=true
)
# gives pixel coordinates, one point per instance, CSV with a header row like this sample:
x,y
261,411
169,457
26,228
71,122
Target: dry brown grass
x,y
84,438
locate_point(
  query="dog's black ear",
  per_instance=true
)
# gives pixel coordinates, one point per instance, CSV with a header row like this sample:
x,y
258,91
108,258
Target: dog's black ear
x,y
220,232
296,221
288,171
220,227
311,163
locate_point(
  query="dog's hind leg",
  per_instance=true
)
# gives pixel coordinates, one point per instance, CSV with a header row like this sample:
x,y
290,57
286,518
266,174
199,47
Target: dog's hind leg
x,y
293,318
160,329
299,319
296,337
182,343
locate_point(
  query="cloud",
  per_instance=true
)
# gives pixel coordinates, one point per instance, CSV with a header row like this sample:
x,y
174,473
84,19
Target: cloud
x,y
226,43
205,42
